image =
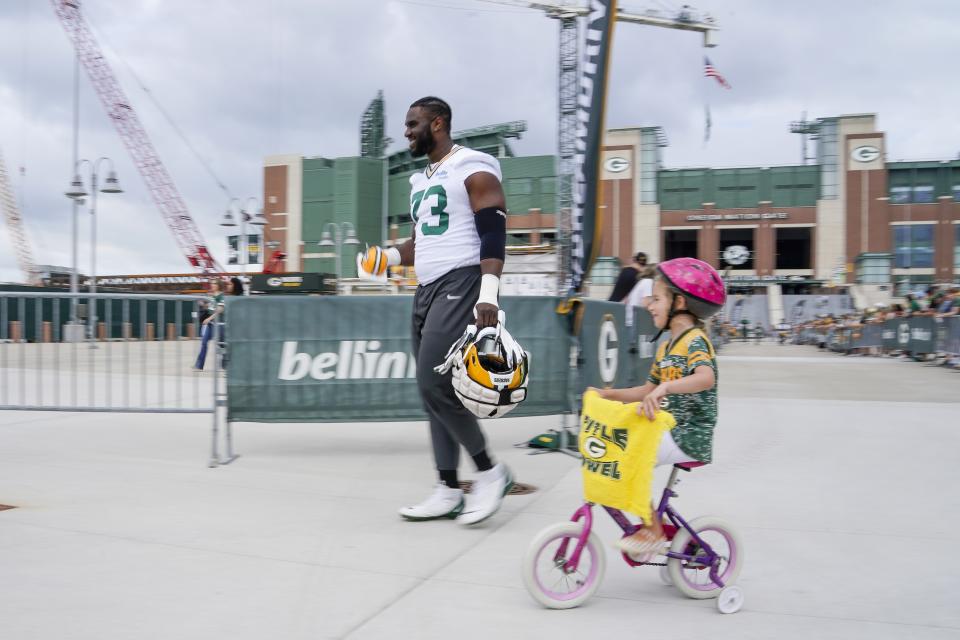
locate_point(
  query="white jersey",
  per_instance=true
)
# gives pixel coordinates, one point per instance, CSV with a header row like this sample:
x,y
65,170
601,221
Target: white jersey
x,y
445,232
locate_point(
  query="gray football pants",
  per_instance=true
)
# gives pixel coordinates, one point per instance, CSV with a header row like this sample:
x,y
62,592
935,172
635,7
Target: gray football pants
x,y
441,312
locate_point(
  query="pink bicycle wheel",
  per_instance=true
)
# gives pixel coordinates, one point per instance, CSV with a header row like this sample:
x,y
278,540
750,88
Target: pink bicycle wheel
x,y
547,575
692,578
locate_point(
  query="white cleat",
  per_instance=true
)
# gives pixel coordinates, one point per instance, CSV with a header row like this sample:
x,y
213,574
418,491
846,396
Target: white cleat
x,y
488,491
444,502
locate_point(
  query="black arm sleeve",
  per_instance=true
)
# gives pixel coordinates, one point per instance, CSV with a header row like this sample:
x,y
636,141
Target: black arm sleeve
x,y
492,228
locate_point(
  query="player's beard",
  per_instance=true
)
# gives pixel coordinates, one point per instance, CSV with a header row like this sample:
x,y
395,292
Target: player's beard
x,y
423,144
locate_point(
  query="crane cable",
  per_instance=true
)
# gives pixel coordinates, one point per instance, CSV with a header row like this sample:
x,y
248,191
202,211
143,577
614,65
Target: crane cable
x,y
100,37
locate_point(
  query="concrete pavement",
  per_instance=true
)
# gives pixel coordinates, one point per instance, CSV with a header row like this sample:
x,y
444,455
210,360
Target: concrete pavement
x,y
839,473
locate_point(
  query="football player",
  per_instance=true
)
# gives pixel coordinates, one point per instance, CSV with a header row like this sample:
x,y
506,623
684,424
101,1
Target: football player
x,y
458,246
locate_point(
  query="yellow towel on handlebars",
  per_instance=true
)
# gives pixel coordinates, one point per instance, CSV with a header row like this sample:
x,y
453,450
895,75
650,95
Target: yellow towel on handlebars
x,y
619,450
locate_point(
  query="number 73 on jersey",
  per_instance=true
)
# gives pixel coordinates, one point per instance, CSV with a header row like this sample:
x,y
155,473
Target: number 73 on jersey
x,y
438,210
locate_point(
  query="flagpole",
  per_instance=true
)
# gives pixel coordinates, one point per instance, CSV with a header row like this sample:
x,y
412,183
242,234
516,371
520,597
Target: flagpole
x,y
707,122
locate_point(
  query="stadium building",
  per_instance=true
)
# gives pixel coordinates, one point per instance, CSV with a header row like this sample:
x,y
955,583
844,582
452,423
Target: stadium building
x,y
849,217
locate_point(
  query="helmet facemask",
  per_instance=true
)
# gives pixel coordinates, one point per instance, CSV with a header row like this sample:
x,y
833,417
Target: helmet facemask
x,y
489,371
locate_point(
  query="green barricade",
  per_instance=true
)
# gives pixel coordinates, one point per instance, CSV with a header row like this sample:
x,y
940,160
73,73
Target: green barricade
x,y
951,336
348,359
605,345
336,359
896,334
916,335
922,335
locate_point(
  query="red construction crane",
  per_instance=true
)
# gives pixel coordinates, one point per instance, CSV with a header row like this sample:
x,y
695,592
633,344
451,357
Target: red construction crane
x,y
275,264
125,119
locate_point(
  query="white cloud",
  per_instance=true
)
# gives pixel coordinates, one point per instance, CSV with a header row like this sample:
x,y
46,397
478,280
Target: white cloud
x,y
246,79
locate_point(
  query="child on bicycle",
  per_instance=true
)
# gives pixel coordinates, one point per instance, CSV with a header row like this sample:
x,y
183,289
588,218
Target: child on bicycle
x,y
683,377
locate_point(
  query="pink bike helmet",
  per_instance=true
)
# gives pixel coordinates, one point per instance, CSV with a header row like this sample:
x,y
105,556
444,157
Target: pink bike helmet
x,y
696,281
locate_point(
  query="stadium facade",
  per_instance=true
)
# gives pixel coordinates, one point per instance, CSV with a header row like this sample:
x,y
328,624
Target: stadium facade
x,y
849,216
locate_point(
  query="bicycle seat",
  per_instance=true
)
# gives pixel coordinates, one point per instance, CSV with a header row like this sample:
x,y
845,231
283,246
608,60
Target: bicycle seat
x,y
689,466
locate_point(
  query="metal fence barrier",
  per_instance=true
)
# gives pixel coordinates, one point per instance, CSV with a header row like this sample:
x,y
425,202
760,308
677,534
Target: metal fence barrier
x,y
110,352
921,336
291,358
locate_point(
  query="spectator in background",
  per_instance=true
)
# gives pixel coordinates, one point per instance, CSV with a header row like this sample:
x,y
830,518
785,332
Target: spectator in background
x,y
214,308
639,296
628,277
913,306
950,305
236,287
933,297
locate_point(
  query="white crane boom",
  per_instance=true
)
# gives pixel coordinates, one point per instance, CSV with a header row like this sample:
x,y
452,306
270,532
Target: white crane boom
x,y
18,235
684,20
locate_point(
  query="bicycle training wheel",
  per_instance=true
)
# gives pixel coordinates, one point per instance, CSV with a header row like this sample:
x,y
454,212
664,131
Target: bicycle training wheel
x,y
692,578
544,574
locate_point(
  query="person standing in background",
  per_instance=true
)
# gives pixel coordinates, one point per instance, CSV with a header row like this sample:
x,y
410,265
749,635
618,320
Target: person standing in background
x,y
639,296
215,308
627,279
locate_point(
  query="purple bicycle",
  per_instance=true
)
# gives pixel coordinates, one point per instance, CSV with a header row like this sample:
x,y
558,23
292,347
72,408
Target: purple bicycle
x,y
565,562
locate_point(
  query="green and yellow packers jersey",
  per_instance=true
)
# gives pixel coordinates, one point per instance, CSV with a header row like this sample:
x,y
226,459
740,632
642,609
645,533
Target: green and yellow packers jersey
x,y
695,413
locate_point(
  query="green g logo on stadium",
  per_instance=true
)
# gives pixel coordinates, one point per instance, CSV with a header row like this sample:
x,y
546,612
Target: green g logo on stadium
x,y
616,164
865,153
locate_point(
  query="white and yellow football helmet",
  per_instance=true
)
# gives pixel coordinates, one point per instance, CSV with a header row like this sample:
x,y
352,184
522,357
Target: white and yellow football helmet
x,y
490,370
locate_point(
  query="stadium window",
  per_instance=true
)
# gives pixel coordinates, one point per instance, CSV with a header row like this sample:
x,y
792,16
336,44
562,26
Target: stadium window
x,y
922,245
901,246
956,246
956,192
923,193
913,246
605,271
793,247
680,243
915,284
900,195
873,269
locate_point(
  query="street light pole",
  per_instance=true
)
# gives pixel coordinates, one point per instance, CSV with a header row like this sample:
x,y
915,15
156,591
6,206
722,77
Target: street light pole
x,y
78,191
242,245
337,241
256,220
75,274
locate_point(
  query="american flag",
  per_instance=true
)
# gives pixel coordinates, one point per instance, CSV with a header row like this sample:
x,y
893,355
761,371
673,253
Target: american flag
x,y
710,72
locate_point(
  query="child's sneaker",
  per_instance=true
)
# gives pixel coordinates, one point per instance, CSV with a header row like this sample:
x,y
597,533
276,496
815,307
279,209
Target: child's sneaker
x,y
487,494
643,549
444,502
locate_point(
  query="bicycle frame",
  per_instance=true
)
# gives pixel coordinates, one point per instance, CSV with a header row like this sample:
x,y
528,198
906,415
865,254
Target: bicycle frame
x,y
585,512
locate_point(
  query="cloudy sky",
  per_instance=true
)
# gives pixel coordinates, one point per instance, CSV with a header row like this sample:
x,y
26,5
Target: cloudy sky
x,y
243,79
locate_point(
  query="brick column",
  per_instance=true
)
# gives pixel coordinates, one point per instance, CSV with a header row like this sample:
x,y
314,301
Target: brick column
x,y
943,241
